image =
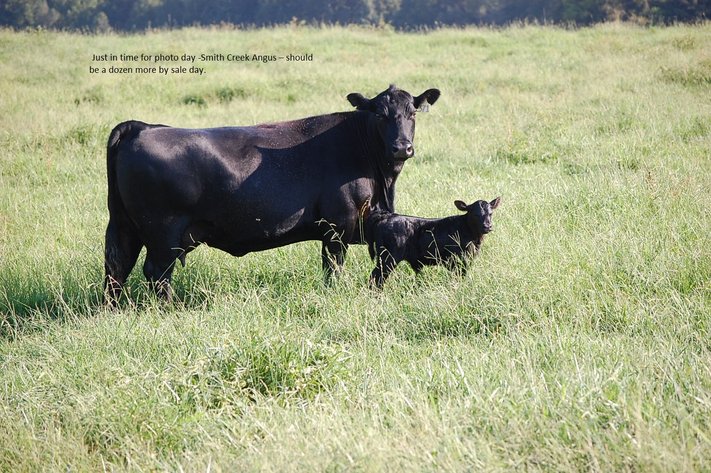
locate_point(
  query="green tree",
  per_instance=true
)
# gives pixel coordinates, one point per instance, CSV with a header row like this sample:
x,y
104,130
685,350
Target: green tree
x,y
23,13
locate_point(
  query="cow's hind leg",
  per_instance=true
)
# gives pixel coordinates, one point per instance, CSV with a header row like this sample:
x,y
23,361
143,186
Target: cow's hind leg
x,y
170,243
122,248
158,269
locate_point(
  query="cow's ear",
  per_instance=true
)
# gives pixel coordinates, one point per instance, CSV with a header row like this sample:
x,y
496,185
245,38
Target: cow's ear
x,y
427,98
495,203
460,205
358,101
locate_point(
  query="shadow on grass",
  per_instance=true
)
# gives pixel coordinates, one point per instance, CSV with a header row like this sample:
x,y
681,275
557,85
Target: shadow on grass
x,y
32,305
32,300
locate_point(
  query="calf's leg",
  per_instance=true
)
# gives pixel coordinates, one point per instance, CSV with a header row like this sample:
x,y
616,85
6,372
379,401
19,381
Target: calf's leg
x,y
384,265
458,265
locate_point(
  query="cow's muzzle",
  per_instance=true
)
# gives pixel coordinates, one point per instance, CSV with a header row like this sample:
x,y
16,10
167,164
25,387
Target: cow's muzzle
x,y
404,151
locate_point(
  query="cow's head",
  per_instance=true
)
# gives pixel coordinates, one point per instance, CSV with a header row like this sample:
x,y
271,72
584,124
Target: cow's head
x,y
394,113
479,214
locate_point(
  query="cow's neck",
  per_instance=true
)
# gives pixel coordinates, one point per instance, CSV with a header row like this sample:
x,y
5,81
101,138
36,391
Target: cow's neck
x,y
383,170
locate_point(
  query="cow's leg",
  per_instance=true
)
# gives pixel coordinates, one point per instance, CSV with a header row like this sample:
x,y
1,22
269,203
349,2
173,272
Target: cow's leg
x,y
333,255
171,241
121,252
158,269
333,247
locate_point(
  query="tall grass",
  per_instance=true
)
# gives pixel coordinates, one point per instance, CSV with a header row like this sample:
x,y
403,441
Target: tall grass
x,y
579,340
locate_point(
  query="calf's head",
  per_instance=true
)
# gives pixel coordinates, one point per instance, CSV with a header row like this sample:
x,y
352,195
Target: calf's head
x,y
394,113
479,214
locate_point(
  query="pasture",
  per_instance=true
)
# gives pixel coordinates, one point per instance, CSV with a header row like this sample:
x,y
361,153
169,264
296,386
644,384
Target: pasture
x,y
578,341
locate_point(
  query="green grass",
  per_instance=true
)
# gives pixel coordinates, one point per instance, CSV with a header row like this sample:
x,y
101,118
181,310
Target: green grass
x,y
579,340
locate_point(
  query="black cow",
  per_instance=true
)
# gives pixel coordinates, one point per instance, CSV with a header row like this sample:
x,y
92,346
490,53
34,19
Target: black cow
x,y
244,189
421,242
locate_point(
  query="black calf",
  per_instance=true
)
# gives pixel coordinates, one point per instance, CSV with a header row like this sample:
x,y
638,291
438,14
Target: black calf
x,y
421,242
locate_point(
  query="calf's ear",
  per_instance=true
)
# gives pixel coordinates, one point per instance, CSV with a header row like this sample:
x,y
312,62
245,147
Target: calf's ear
x,y
358,101
495,203
427,98
460,205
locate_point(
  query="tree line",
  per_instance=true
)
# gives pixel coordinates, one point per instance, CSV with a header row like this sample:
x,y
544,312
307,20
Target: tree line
x,y
136,15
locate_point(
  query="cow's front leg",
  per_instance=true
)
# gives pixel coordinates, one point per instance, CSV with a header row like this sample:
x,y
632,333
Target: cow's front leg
x,y
334,245
333,255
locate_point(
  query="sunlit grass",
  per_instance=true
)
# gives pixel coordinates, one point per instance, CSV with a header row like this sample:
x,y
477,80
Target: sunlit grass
x,y
577,341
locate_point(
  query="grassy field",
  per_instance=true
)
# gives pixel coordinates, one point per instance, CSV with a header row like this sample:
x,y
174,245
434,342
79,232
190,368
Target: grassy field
x,y
579,341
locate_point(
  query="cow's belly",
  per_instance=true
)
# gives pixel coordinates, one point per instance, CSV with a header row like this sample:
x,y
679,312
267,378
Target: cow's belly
x,y
240,246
